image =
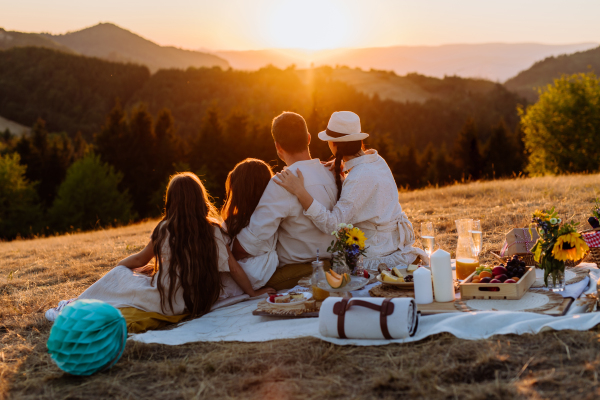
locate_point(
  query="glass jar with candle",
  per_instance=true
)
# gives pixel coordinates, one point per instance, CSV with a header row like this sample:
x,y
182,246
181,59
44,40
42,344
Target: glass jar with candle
x,y
466,254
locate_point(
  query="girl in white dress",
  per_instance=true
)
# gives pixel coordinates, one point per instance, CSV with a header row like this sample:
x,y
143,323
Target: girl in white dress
x,y
367,196
245,186
195,268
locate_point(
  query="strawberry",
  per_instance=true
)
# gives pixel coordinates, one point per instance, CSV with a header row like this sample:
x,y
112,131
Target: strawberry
x,y
272,298
366,274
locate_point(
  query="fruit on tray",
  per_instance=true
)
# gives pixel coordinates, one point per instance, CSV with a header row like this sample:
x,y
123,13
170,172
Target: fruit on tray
x,y
408,278
387,276
511,273
335,280
366,274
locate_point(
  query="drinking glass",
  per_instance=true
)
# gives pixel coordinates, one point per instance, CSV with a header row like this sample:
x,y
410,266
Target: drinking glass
x,y
428,237
477,234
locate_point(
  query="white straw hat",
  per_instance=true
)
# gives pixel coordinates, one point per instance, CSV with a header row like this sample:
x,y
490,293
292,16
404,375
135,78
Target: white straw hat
x,y
343,126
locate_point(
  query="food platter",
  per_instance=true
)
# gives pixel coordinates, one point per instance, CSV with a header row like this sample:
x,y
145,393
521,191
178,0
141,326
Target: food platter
x,y
307,296
399,285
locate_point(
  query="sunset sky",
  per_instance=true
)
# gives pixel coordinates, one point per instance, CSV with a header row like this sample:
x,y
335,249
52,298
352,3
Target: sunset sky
x,y
316,24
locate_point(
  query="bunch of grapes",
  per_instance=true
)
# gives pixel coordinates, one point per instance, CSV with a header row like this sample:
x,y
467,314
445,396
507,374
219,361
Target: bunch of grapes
x,y
515,267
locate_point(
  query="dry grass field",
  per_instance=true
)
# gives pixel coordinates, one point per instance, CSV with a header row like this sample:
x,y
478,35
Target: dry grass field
x,y
36,274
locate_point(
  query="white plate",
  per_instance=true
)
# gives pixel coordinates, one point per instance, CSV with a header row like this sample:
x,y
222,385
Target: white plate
x,y
307,296
356,282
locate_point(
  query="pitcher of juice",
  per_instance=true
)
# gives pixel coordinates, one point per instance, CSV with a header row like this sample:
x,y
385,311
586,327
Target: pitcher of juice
x,y
466,253
318,275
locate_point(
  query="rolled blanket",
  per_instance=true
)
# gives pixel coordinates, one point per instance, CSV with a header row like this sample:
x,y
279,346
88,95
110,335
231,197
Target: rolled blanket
x,y
368,318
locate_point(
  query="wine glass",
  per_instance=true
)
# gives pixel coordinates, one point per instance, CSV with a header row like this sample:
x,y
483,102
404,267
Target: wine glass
x,y
428,237
477,235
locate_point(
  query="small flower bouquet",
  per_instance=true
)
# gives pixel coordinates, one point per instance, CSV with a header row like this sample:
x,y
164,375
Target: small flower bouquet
x,y
556,245
347,247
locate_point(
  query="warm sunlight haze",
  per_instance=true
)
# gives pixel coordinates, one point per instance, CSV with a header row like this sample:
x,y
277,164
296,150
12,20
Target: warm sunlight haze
x,y
309,24
314,24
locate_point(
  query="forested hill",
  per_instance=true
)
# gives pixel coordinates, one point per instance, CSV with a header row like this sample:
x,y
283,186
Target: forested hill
x,y
74,93
9,39
114,43
71,93
544,72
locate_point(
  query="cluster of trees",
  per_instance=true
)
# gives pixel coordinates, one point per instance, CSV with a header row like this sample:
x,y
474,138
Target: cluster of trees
x,y
114,169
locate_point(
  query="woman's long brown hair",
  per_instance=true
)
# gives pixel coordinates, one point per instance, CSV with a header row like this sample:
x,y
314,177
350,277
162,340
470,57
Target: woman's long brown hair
x,y
245,185
344,149
189,222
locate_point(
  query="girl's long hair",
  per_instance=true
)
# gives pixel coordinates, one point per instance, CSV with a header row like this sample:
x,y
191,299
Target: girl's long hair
x,y
244,186
344,149
189,222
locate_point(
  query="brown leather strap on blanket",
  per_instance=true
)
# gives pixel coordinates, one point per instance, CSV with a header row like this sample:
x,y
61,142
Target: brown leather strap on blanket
x,y
386,308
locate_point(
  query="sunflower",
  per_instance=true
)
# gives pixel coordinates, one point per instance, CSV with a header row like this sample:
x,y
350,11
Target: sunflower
x,y
356,236
570,246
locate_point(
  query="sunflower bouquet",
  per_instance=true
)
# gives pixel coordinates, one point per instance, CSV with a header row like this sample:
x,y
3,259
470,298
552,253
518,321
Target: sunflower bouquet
x,y
348,246
556,245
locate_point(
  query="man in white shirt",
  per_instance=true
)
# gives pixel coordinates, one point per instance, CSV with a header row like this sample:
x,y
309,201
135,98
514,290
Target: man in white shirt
x,y
279,212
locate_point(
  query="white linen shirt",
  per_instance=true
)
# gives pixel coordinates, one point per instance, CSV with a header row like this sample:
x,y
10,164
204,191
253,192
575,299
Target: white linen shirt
x,y
280,212
369,201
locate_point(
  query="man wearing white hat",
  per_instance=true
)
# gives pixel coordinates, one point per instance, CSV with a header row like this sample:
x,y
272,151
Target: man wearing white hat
x,y
280,214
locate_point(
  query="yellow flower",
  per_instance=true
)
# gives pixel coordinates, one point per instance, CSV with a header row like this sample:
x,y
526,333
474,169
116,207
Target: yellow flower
x,y
538,252
356,236
570,246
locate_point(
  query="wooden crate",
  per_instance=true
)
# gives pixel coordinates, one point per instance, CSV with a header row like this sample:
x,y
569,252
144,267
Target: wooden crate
x,y
506,291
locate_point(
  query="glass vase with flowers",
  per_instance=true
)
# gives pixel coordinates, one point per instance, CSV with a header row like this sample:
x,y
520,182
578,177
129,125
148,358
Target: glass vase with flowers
x,y
347,247
556,245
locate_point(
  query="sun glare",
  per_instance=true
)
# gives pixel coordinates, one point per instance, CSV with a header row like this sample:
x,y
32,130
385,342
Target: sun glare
x,y
307,24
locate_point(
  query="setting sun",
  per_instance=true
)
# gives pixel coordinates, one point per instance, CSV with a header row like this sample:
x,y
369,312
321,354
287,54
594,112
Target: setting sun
x,y
309,24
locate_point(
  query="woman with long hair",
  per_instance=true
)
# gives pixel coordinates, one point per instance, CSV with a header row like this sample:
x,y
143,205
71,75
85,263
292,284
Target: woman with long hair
x,y
193,267
245,186
367,196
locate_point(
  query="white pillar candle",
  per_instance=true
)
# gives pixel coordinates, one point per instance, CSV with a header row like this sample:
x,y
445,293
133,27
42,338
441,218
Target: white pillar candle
x,y
441,268
423,291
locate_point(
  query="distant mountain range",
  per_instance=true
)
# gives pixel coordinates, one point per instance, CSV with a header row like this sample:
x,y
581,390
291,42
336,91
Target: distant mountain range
x,y
113,43
10,39
544,72
493,61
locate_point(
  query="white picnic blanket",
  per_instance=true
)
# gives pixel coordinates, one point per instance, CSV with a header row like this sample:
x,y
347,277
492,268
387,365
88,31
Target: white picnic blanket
x,y
236,323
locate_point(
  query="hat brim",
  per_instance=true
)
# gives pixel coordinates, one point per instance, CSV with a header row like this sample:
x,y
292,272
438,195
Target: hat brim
x,y
346,138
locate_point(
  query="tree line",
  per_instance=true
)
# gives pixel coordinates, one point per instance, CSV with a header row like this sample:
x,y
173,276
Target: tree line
x,y
62,178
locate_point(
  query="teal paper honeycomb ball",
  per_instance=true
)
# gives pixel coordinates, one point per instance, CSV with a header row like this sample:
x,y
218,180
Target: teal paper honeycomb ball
x,y
88,336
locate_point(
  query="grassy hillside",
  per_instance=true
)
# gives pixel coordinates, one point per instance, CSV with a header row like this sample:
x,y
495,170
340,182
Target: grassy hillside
x,y
10,39
114,43
544,72
36,274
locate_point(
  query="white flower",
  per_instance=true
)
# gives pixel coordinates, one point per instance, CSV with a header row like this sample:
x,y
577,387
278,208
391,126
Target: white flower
x,y
349,226
559,220
553,221
342,225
